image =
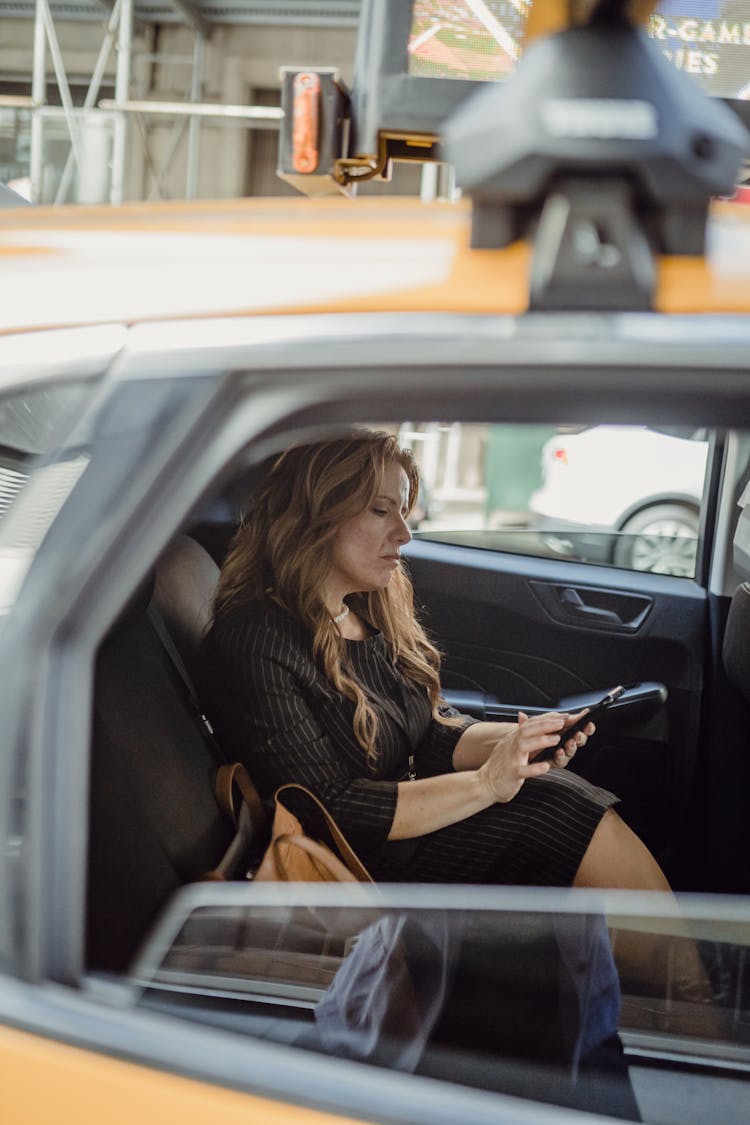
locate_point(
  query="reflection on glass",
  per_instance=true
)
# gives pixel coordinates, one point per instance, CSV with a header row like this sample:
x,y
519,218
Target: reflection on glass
x,y
627,496
533,1012
520,1001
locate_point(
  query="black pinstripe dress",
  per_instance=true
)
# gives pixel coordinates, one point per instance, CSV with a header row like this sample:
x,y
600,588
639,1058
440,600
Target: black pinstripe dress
x,y
274,710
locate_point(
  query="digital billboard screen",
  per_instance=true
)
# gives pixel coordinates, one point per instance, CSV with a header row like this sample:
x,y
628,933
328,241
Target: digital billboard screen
x,y
479,40
482,40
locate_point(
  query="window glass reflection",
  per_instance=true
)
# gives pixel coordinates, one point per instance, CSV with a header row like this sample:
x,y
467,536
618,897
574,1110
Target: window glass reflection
x,y
561,1004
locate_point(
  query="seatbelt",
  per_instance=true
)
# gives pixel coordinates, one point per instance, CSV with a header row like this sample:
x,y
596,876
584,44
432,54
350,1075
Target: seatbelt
x,y
178,663
251,820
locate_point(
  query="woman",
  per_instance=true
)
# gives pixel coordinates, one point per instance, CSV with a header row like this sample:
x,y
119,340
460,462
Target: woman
x,y
321,674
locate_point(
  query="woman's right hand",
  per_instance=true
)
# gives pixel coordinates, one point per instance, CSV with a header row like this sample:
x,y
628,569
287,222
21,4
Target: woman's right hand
x,y
508,764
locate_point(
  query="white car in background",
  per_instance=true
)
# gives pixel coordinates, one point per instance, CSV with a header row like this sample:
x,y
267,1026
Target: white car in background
x,y
642,484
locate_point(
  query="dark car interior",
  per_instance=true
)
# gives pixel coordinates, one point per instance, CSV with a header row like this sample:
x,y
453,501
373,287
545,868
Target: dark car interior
x,y
155,827
514,637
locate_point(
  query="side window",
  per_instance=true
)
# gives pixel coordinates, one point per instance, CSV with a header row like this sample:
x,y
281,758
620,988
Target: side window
x,y
36,475
627,496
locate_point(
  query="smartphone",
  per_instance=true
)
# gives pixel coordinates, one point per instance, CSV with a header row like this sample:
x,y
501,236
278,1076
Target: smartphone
x,y
582,723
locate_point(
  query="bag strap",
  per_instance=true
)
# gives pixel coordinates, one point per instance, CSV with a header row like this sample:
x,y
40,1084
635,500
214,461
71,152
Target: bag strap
x,y
229,776
249,821
346,851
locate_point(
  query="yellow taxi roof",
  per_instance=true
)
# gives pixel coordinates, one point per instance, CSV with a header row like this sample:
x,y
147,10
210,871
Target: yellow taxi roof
x,y
141,262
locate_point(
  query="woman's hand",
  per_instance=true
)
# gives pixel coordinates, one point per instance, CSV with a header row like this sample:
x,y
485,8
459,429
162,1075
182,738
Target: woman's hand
x,y
510,761
567,751
492,761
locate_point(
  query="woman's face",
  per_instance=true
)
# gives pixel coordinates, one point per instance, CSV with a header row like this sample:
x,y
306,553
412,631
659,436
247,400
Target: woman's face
x,y
367,547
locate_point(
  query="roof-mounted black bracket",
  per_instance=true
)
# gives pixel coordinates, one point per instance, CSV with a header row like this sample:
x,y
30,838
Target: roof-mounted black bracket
x,y
590,250
590,243
601,153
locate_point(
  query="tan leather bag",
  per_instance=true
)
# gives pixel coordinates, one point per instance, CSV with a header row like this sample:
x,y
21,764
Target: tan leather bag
x,y
291,855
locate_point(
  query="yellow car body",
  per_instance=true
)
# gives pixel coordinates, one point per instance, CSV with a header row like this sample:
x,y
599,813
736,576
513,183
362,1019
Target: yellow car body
x,y
140,263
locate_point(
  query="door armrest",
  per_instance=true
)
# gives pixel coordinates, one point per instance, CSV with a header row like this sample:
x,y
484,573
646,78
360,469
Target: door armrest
x,y
637,703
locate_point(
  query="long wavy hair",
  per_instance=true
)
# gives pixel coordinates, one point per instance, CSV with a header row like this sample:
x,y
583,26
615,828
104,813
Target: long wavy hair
x,y
283,551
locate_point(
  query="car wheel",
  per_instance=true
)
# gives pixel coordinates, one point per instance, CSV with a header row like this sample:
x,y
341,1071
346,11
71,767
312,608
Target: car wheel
x,y
662,539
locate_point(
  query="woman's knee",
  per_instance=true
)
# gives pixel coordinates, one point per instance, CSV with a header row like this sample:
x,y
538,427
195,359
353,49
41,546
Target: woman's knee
x,y
617,858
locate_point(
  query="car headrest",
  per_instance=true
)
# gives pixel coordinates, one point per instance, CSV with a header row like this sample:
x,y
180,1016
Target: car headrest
x,y
741,539
736,649
184,589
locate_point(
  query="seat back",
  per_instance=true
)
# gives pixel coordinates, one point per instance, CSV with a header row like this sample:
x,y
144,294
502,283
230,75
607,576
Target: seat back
x,y
736,648
184,588
154,822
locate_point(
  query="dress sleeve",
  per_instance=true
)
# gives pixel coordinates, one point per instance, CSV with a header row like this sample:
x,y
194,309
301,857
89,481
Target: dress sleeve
x,y
434,754
284,737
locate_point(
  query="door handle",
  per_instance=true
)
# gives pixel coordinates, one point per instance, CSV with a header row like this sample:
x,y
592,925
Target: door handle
x,y
575,604
593,607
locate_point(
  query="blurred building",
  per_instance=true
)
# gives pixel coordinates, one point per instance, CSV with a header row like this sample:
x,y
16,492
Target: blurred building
x,y
96,106
68,67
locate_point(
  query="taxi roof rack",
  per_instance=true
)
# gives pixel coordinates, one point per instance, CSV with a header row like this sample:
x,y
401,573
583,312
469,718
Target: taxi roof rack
x,y
596,149
603,154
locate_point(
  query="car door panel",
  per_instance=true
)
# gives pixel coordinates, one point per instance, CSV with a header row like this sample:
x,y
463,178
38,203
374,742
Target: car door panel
x,y
502,639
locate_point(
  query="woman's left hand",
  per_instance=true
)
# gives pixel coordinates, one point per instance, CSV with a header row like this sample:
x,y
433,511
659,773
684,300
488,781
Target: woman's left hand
x,y
567,751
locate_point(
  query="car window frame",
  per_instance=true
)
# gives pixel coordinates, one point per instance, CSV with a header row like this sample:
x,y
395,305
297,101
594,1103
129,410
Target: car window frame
x,y
264,389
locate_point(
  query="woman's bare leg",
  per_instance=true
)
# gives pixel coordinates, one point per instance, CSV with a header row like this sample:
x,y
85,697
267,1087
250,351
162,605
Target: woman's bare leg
x,y
616,858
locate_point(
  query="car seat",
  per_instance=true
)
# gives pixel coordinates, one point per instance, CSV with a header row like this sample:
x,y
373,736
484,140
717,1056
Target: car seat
x,y
729,837
184,589
154,823
736,649
736,645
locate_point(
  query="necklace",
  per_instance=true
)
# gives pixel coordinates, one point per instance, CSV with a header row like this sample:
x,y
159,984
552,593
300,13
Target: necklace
x,y
340,616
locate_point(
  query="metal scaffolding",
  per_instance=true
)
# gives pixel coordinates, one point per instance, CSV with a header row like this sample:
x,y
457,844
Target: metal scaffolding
x,y
113,115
